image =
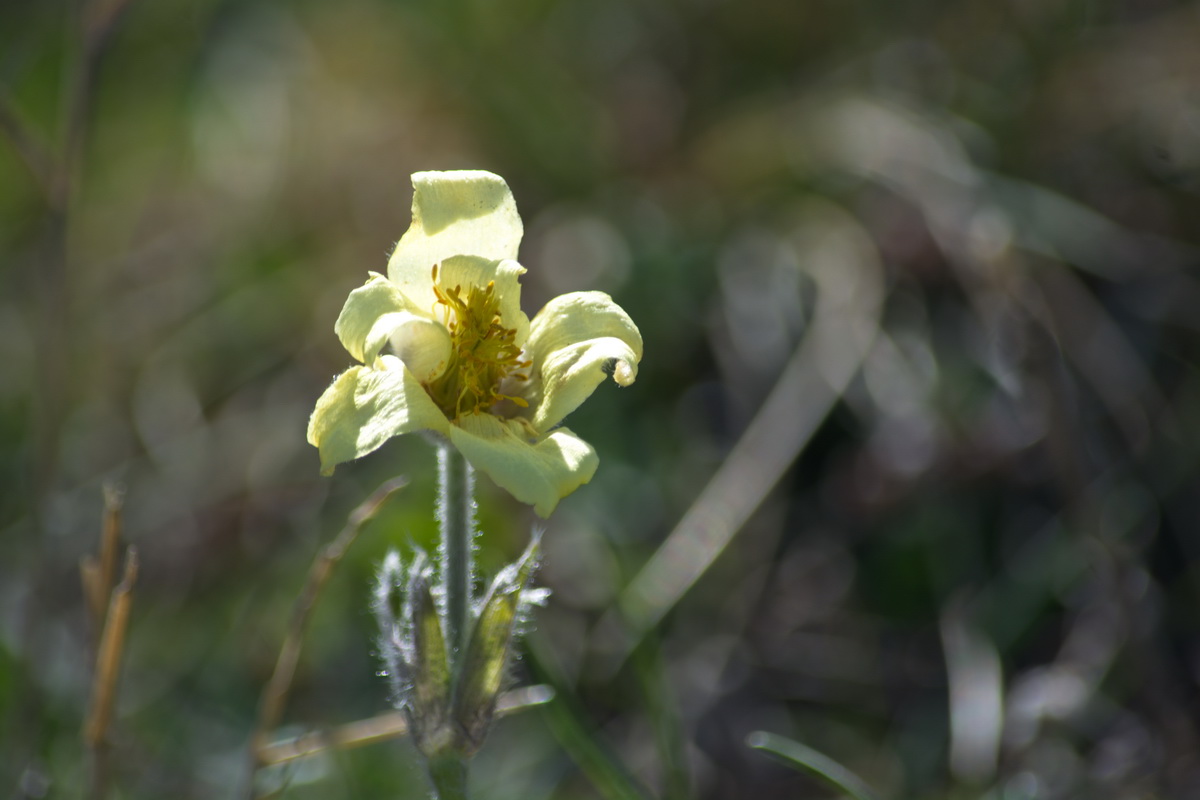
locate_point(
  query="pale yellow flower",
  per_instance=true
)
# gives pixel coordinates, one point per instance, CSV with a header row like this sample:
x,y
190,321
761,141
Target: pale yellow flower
x,y
445,347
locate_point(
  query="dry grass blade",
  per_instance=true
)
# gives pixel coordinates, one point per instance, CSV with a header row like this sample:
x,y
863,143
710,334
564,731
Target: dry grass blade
x,y
109,611
849,284
98,575
108,664
108,658
1104,355
274,695
391,725
976,697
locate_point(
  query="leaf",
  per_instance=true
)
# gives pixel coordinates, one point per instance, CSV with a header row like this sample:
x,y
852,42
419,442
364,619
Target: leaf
x,y
576,734
798,755
490,648
429,702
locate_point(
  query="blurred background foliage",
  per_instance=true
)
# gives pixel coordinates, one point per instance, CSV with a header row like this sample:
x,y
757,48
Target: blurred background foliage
x,y
921,275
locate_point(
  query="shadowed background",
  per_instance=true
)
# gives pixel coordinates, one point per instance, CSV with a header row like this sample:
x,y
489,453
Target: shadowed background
x,y
909,473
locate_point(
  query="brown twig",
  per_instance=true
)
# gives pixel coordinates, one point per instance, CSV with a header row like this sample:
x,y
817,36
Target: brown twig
x,y
274,696
391,725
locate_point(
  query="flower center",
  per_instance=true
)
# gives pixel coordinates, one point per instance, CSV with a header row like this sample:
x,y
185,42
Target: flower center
x,y
482,351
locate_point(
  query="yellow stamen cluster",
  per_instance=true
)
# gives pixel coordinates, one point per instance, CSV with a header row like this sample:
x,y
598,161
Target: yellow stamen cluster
x,y
482,351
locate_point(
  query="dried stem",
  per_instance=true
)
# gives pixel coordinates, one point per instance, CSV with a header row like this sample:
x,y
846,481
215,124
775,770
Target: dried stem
x,y
110,610
274,696
98,576
99,21
382,728
108,659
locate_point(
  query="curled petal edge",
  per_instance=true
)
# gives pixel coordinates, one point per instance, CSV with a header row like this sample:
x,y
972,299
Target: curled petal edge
x,y
569,375
574,342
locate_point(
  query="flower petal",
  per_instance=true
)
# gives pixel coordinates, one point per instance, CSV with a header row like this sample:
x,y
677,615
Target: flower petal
x,y
365,407
539,473
422,344
363,308
574,341
467,212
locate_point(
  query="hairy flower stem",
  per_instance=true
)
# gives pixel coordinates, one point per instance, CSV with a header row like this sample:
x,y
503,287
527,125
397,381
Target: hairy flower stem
x,y
457,516
456,513
449,776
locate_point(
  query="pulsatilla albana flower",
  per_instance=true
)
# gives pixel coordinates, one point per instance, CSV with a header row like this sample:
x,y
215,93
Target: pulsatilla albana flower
x,y
445,347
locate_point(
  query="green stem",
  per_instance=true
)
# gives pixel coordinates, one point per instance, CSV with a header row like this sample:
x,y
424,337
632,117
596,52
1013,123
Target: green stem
x,y
449,775
457,516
